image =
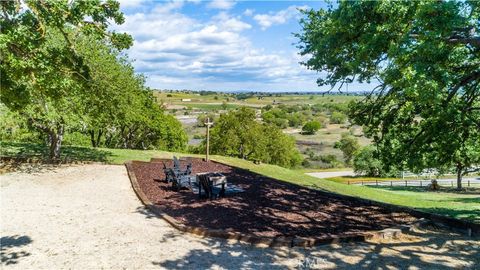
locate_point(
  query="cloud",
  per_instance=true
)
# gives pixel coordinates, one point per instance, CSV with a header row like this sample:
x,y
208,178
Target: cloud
x,y
248,12
226,21
221,4
267,20
176,51
130,3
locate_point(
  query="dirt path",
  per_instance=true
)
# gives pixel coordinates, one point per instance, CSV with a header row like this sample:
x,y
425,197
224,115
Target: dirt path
x,y
87,217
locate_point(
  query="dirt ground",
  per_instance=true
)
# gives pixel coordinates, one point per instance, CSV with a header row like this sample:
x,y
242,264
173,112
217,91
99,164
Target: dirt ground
x,y
88,217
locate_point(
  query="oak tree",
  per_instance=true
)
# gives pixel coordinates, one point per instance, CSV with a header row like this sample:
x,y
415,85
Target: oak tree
x,y
425,58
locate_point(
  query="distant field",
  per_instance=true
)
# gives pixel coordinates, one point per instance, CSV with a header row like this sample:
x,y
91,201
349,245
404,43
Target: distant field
x,y
187,107
256,101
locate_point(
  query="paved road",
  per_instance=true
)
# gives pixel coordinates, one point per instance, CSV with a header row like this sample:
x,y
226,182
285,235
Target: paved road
x,y
88,217
331,174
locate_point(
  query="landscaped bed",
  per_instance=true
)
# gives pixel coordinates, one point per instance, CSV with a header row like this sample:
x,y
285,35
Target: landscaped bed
x,y
267,208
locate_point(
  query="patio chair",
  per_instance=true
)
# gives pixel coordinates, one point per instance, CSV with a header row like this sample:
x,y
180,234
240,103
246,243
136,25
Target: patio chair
x,y
181,181
211,191
169,173
176,164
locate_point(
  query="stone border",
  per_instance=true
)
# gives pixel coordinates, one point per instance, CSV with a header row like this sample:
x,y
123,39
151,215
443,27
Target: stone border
x,y
253,239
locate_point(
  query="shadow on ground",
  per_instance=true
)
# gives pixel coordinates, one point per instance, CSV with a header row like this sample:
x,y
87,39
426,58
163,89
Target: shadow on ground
x,y
9,248
14,156
434,249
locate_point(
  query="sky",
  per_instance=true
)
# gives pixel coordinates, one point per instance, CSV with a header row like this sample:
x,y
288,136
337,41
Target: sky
x,y
219,45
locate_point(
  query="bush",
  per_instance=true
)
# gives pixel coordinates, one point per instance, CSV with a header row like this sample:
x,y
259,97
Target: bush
x,y
338,118
311,127
349,145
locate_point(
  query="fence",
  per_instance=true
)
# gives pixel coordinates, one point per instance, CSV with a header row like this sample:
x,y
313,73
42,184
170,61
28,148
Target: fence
x,y
413,183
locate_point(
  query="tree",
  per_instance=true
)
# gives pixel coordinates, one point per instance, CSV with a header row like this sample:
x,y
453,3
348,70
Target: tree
x,y
425,57
366,163
311,127
238,134
349,145
43,74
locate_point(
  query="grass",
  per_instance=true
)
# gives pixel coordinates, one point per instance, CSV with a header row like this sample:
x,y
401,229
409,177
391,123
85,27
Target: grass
x,y
458,205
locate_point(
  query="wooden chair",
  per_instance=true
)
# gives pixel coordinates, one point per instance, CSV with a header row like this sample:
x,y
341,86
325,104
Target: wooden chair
x,y
211,192
169,173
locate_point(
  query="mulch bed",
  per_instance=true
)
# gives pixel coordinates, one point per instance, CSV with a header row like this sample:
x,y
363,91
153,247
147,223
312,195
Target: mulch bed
x,y
268,207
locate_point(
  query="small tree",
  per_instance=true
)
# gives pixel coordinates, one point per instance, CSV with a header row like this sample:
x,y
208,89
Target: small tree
x,y
311,127
349,145
366,163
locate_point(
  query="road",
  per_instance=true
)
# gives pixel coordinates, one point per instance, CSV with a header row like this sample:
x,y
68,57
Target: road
x,y
331,174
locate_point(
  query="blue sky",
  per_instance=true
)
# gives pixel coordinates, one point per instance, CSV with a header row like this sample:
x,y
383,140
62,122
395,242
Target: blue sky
x,y
219,45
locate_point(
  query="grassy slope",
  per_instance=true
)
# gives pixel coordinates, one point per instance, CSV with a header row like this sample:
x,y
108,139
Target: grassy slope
x,y
451,204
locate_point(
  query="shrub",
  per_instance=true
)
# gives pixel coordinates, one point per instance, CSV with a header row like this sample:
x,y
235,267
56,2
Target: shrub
x,y
349,145
311,127
338,118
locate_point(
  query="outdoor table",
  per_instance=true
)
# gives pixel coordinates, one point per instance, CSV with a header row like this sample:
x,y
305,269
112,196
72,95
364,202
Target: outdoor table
x,y
215,179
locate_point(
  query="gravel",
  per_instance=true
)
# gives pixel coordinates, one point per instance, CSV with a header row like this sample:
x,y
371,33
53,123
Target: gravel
x,y
88,217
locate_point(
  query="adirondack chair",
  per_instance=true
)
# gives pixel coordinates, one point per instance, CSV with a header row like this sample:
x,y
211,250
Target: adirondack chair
x,y
179,178
181,181
211,191
176,165
169,174
178,170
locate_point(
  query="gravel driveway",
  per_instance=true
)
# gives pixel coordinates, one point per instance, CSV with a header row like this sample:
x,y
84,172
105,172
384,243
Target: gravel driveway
x,y
87,217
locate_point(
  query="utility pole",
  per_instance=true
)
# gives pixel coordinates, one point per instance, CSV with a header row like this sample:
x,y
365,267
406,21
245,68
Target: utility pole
x,y
208,124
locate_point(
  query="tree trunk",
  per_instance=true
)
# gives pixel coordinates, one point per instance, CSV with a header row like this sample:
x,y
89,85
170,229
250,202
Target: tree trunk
x,y
55,139
459,176
92,137
95,141
99,136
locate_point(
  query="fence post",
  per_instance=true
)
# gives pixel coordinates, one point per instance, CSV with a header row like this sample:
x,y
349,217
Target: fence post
x,y
420,183
349,182
405,182
451,182
468,183
362,183
376,182
391,183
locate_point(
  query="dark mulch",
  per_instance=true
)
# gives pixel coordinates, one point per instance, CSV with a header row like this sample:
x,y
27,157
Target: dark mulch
x,y
268,207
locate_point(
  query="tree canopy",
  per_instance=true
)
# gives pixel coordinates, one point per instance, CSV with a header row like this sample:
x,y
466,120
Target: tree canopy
x,y
238,134
63,71
425,58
